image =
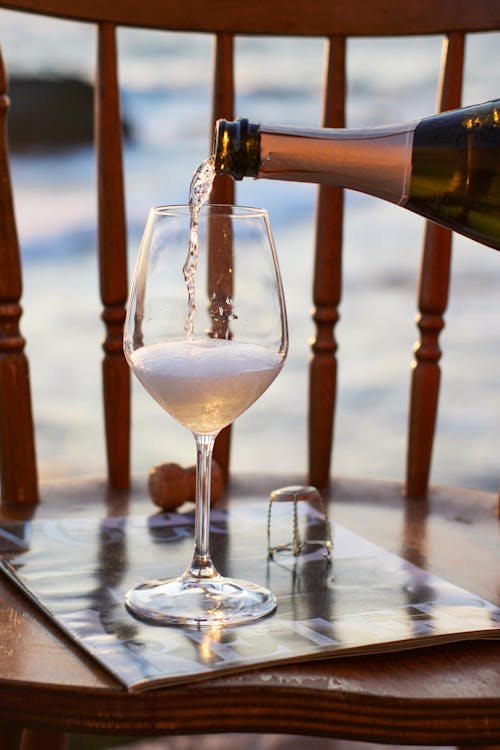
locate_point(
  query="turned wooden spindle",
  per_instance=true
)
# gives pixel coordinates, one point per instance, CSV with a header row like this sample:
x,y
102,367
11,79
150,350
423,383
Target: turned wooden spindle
x,y
432,302
18,471
112,258
223,188
327,287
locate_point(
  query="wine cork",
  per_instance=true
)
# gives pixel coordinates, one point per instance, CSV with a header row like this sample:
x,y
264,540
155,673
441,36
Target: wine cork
x,y
170,485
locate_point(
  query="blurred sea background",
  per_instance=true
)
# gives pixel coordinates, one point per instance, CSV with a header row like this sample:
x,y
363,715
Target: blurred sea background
x,y
165,86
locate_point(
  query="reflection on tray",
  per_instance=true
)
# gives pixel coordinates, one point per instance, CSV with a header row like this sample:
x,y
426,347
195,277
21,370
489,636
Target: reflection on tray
x,y
364,599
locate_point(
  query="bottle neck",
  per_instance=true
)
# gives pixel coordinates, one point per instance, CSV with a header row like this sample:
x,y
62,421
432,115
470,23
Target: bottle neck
x,y
376,161
237,148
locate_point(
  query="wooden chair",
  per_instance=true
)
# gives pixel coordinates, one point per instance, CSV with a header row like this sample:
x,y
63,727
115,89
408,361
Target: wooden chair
x,y
437,696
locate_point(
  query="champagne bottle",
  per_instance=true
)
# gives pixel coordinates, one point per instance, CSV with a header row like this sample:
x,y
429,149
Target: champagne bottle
x,y
445,167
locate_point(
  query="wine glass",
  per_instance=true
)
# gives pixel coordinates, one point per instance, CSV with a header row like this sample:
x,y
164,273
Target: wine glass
x,y
205,334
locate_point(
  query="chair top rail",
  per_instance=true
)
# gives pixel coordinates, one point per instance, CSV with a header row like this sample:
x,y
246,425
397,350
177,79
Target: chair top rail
x,y
281,17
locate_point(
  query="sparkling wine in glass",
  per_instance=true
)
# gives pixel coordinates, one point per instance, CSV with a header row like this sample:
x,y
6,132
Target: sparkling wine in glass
x,y
206,335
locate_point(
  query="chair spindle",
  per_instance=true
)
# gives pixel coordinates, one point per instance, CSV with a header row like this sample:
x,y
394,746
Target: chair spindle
x,y
223,188
112,258
327,285
19,479
432,302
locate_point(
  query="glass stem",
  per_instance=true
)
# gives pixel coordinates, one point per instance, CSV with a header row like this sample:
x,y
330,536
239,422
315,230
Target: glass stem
x,y
201,565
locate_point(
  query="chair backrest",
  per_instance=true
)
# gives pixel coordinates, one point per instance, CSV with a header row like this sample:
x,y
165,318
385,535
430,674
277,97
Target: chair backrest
x,y
336,22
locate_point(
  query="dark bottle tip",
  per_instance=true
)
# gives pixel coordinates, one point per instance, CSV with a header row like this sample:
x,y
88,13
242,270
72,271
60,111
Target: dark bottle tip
x,y
237,148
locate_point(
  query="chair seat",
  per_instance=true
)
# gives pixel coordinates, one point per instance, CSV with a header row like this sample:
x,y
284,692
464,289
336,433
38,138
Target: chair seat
x,y
446,694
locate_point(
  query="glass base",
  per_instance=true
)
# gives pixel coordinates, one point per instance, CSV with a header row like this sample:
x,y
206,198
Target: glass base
x,y
200,602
